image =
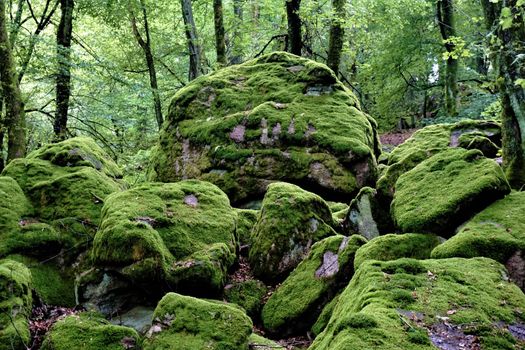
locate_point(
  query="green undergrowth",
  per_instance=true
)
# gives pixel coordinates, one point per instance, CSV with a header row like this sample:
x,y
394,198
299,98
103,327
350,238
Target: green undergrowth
x,y
374,310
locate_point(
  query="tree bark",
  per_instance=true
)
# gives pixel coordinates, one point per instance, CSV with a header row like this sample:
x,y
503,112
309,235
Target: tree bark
x,y
447,28
220,42
506,55
14,120
337,33
150,62
63,78
237,36
294,26
193,41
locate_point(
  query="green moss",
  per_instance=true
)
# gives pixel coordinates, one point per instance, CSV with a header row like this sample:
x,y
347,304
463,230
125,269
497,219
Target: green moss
x,y
15,304
89,331
246,121
246,219
325,315
497,232
260,343
393,247
53,285
296,304
198,324
248,294
441,192
167,232
291,220
478,140
372,311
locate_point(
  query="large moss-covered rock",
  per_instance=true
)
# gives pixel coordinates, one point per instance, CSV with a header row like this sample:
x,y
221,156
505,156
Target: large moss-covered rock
x,y
66,184
181,234
445,190
298,301
89,331
393,247
277,118
290,222
15,305
186,323
406,304
426,142
498,232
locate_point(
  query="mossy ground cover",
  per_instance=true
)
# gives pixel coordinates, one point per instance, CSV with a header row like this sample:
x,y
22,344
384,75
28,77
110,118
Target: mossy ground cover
x,y
198,324
443,191
296,303
249,123
291,220
497,232
374,310
175,232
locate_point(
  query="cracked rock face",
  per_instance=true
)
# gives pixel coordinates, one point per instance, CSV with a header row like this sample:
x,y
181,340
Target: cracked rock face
x,y
276,118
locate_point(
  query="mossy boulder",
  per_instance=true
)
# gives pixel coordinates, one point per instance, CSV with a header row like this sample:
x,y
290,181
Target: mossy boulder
x,y
433,139
66,184
187,323
443,191
393,247
298,301
407,304
247,294
276,118
180,235
290,222
89,331
368,215
498,232
260,343
15,305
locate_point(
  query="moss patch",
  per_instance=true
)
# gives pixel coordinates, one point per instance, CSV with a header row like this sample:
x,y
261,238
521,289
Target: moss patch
x,y
260,343
279,118
377,309
246,220
291,220
175,232
497,232
297,303
393,247
198,324
89,331
15,304
441,192
248,295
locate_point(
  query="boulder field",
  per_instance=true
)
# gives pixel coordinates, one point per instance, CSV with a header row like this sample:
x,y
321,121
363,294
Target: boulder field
x,y
341,247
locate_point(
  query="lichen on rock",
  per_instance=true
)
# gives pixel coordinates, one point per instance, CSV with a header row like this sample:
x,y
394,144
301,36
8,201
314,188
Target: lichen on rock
x,y
247,125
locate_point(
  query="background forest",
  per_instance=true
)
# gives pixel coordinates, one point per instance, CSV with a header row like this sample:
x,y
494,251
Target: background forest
x,y
125,59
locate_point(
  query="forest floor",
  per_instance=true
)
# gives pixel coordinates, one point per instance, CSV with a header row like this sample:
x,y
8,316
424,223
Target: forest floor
x,y
395,138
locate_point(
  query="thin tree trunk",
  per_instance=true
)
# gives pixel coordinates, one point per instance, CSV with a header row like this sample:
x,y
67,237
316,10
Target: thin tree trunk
x,y
63,78
337,33
2,132
294,26
506,58
447,27
237,37
220,42
150,62
193,42
14,119
16,23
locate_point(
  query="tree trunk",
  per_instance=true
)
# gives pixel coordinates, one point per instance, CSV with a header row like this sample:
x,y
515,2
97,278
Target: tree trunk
x,y
237,37
193,42
337,34
447,27
506,55
63,78
150,62
14,119
294,26
220,42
